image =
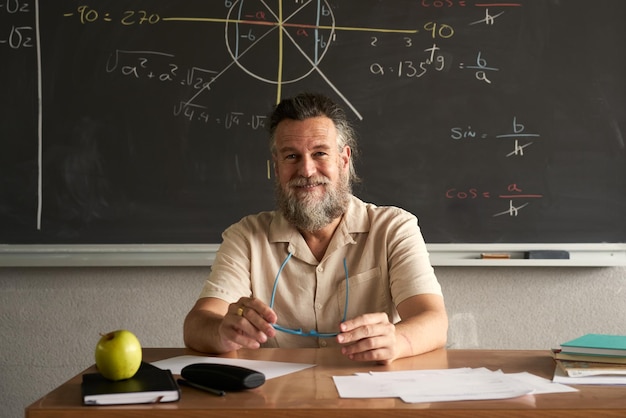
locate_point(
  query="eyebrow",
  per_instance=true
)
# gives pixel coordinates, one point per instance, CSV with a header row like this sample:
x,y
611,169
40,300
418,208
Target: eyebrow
x,y
288,148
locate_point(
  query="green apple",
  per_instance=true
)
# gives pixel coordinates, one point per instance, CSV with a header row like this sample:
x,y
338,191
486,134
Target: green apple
x,y
118,355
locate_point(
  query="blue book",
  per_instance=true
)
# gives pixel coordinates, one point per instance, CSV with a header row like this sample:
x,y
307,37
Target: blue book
x,y
599,344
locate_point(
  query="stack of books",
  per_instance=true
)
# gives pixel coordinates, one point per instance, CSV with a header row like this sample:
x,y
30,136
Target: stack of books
x,y
593,359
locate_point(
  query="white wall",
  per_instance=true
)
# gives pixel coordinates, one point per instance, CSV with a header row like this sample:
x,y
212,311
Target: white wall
x,y
50,318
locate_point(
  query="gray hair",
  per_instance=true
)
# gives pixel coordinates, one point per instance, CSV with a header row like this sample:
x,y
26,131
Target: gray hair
x,y
311,105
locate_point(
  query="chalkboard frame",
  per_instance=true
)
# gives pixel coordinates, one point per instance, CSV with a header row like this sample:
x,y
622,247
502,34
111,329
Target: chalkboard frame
x,y
442,255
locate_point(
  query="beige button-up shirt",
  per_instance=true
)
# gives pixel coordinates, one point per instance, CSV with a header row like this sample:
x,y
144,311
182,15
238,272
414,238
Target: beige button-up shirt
x,y
386,259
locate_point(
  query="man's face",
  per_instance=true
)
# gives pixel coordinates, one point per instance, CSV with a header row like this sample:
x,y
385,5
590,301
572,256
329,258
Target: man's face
x,y
311,172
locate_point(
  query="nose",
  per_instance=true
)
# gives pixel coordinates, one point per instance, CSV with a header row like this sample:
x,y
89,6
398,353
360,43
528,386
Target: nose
x,y
307,167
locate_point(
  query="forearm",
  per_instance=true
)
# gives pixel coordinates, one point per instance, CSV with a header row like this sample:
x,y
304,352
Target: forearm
x,y
423,327
421,333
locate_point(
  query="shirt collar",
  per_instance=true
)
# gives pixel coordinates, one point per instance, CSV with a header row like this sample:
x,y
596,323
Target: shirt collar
x,y
354,221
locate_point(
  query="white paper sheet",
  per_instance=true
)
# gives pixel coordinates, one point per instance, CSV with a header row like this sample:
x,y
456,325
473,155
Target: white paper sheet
x,y
561,377
442,385
270,369
542,385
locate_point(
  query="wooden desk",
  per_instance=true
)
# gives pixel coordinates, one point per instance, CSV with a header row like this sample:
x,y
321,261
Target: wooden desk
x,y
312,393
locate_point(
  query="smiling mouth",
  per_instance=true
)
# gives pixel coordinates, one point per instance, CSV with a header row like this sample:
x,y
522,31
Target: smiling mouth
x,y
307,183
305,190
309,186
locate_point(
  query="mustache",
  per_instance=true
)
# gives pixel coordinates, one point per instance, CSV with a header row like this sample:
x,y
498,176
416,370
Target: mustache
x,y
308,181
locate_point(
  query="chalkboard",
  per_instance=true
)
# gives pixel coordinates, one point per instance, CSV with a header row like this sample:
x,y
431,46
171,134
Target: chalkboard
x,y
143,122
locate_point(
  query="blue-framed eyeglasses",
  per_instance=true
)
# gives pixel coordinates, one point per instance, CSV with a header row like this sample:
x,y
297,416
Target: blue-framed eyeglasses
x,y
312,333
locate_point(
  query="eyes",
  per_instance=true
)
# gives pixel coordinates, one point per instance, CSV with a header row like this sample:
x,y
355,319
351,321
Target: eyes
x,y
317,156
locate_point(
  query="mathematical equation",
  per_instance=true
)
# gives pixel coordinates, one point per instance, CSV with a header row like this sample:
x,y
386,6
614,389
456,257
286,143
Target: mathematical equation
x,y
90,15
16,35
435,59
230,120
513,193
522,139
161,67
518,134
436,62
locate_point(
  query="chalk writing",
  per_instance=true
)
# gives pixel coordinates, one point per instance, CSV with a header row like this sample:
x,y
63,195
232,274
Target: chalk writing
x,y
488,20
481,68
230,120
19,37
16,36
87,15
16,6
520,137
143,64
438,4
513,192
518,134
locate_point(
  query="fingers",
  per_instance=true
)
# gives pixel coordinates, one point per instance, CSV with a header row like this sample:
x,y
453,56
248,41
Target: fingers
x,y
369,337
256,312
248,323
365,326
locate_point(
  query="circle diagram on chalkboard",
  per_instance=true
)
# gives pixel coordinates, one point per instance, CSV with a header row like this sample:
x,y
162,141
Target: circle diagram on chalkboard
x,y
298,39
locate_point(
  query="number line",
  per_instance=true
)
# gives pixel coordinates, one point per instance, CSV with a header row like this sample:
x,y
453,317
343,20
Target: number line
x,y
291,25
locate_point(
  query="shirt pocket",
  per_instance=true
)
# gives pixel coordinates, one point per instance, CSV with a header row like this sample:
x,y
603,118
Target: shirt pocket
x,y
368,292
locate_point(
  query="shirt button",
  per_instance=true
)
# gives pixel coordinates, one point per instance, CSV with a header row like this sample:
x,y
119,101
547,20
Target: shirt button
x,y
318,305
320,269
322,343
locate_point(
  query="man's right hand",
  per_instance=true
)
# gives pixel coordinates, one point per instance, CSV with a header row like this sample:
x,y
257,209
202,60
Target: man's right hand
x,y
247,323
214,326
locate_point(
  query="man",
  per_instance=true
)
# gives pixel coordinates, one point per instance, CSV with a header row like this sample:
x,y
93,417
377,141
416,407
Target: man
x,y
325,269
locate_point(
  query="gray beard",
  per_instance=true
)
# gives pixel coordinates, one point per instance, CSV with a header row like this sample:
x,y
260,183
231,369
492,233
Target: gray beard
x,y
311,215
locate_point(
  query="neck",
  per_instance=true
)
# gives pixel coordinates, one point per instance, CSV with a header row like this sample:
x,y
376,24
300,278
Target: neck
x,y
319,240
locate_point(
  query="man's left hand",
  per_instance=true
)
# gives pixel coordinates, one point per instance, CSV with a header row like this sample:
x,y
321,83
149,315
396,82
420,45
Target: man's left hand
x,y
369,337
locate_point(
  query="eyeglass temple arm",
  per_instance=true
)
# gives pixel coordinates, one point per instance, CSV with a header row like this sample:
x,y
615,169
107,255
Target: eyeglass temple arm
x,y
345,268
345,308
282,266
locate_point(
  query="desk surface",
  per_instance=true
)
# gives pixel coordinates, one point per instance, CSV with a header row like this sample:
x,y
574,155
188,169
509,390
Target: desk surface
x,y
311,392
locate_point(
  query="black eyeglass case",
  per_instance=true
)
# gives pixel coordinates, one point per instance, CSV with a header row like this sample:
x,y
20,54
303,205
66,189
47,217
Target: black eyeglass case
x,y
223,376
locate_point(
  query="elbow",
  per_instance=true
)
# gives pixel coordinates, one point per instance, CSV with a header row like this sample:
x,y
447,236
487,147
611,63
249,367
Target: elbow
x,y
195,333
440,324
442,334
188,334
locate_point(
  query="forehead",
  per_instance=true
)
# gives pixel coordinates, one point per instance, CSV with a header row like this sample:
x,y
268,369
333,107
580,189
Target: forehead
x,y
318,130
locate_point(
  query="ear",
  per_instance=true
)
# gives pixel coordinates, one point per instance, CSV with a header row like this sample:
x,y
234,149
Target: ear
x,y
345,156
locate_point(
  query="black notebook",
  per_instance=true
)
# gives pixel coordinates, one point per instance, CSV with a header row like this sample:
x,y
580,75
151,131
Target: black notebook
x,y
149,385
